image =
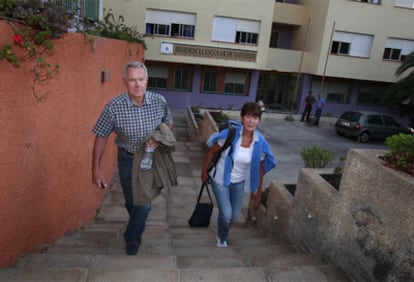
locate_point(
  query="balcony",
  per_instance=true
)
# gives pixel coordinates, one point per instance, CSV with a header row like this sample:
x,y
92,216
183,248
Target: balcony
x,y
286,13
283,60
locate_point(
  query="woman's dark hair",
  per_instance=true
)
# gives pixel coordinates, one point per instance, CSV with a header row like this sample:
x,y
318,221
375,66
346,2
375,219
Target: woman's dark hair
x,y
252,109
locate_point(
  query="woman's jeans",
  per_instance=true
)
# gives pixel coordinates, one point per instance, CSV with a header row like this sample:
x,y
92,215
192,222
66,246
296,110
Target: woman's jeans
x,y
229,201
137,214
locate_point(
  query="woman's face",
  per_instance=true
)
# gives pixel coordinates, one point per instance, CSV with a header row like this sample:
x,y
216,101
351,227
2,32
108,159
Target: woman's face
x,y
250,122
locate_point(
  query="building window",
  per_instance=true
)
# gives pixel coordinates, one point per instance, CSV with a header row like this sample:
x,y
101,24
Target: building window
x,y
366,98
397,49
182,30
335,91
234,83
340,48
88,8
351,44
370,95
169,23
210,81
235,30
392,54
158,77
182,79
405,3
246,37
157,29
225,81
169,77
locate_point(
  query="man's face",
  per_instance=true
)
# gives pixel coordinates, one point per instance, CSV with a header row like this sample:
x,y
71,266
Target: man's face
x,y
136,82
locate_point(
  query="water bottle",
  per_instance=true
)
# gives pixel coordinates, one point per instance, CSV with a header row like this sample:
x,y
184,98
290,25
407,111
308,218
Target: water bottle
x,y
146,162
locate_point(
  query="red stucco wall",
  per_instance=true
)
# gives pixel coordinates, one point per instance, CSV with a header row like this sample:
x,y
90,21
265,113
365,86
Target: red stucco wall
x,y
46,146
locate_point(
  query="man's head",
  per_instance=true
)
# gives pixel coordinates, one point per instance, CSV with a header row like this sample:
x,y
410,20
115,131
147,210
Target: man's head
x,y
135,65
136,78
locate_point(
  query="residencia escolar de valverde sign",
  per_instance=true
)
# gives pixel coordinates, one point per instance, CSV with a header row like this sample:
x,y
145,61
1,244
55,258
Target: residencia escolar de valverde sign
x,y
216,53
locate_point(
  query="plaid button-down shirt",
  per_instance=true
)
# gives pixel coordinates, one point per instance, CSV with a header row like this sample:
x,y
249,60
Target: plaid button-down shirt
x,y
130,122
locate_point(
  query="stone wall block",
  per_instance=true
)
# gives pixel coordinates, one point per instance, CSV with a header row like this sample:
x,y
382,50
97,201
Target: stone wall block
x,y
312,210
374,220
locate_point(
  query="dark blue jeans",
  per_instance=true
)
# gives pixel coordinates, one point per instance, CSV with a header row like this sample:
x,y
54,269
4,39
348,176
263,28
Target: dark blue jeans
x,y
306,112
318,115
137,214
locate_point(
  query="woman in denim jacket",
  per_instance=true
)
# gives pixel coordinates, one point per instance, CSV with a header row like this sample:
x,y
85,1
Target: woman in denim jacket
x,y
240,169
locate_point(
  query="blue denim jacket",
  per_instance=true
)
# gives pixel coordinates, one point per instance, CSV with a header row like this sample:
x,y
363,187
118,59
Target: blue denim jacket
x,y
261,151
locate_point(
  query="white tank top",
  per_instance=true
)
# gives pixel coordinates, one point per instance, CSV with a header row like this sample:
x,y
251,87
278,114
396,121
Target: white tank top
x,y
241,163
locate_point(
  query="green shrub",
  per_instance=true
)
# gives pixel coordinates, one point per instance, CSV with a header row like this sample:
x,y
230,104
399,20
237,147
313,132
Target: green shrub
x,y
401,148
112,27
317,157
219,117
197,113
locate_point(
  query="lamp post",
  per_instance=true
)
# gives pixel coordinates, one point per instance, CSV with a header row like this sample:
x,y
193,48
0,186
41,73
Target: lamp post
x,y
290,118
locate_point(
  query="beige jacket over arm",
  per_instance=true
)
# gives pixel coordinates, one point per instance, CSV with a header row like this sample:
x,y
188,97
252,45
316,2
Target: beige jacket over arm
x,y
147,185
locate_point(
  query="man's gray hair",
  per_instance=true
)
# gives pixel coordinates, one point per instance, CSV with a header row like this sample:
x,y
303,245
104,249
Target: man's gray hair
x,y
135,65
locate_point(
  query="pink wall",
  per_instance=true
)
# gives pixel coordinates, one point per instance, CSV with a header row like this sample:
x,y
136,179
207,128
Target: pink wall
x,y
46,146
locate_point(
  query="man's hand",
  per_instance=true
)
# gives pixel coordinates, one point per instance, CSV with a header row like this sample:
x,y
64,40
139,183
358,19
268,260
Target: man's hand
x,y
99,180
98,149
152,143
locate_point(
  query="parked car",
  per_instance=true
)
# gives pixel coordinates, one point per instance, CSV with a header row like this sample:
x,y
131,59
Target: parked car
x,y
366,125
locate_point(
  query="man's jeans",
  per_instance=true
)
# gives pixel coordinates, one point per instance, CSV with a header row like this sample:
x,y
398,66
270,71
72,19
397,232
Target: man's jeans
x,y
137,214
229,201
318,115
307,111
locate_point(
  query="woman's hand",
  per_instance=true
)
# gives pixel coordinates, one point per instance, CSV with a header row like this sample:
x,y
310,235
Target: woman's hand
x,y
257,199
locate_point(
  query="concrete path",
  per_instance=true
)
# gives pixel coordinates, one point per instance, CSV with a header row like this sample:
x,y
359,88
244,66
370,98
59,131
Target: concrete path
x,y
171,250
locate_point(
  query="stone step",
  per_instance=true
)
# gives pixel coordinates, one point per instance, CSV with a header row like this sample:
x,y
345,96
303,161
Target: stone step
x,y
258,274
170,250
44,275
127,270
101,261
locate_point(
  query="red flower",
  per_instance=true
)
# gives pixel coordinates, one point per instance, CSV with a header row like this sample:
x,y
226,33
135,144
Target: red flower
x,y
18,39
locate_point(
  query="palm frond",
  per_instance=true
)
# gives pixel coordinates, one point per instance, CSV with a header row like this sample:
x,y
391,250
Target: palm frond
x,y
406,64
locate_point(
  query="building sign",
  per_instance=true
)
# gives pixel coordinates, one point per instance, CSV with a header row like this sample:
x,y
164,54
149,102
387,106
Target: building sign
x,y
211,52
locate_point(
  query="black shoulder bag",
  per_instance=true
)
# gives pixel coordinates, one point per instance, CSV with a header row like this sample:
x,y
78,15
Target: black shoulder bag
x,y
227,143
202,212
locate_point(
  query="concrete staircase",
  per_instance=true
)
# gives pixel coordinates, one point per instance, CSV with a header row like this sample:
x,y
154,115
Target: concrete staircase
x,y
171,250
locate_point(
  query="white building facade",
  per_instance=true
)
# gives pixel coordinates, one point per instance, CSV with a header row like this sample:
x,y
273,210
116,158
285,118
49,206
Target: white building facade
x,y
220,54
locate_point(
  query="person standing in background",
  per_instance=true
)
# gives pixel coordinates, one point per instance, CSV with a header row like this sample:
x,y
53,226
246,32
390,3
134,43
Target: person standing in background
x,y
309,101
320,104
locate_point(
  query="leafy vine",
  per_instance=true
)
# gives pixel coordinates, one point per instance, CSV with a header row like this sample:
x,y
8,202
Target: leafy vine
x,y
36,24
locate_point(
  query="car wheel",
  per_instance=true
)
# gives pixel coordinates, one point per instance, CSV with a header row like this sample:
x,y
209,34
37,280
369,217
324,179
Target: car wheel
x,y
364,137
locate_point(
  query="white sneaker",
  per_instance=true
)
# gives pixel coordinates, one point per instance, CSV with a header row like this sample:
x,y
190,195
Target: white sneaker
x,y
221,244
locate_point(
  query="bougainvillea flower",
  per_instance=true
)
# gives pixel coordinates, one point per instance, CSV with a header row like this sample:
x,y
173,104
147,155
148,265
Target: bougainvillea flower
x,y
18,39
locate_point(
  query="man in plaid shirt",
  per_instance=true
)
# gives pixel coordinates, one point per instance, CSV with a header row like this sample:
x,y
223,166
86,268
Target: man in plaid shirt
x,y
132,115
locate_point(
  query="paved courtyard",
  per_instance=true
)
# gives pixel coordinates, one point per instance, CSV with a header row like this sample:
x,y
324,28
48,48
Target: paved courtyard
x,y
287,138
